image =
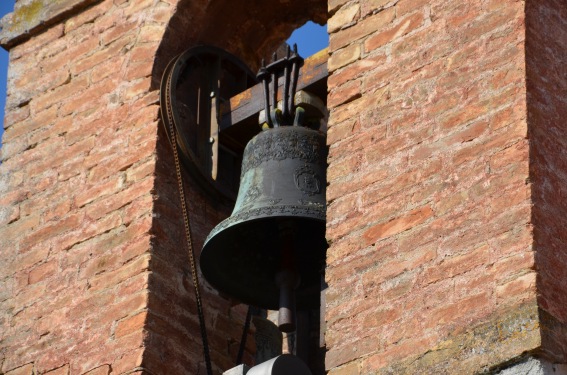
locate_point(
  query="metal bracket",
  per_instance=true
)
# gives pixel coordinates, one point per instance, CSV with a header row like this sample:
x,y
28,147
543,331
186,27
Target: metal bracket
x,y
214,102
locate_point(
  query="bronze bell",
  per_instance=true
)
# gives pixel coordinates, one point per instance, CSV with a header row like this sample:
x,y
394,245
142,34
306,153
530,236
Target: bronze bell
x,y
276,233
270,252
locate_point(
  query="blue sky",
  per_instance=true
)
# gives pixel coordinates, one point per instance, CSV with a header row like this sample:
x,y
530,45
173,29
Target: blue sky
x,y
6,6
310,38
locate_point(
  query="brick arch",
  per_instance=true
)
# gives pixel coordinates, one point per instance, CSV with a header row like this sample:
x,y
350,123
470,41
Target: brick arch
x,y
251,32
172,326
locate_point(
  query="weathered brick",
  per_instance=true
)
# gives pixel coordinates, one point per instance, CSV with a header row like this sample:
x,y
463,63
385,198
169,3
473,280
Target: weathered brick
x,y
16,115
96,58
398,225
44,118
57,95
36,43
519,289
435,195
59,371
101,370
23,370
110,279
343,17
403,26
123,31
450,267
52,229
131,324
373,6
112,185
119,199
361,29
42,271
334,4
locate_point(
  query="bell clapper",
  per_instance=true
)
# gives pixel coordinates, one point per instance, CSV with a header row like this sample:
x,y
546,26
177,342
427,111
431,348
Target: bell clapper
x,y
287,279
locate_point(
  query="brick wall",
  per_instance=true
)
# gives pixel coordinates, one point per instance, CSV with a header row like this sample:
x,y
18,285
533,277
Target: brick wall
x,y
546,50
444,216
94,271
431,266
78,174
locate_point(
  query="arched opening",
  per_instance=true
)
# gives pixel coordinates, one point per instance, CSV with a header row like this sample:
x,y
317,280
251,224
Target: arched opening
x,y
252,33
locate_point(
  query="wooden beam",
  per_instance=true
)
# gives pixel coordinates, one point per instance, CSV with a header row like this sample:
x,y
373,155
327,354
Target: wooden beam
x,y
250,102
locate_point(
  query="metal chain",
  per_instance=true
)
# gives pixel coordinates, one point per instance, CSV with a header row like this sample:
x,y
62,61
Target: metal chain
x,y
188,239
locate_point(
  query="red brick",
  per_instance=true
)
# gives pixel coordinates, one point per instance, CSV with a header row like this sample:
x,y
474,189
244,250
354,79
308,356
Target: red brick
x,y
131,324
404,349
102,370
107,165
362,68
408,6
34,44
52,230
87,16
344,57
518,290
450,267
10,232
56,130
403,26
134,89
23,370
43,271
398,225
16,115
374,6
112,278
30,124
361,29
87,63
76,49
90,98
57,95
460,311
344,94
131,360
133,8
333,5
150,33
119,199
112,68
144,52
125,31
343,17
111,186
59,371
137,70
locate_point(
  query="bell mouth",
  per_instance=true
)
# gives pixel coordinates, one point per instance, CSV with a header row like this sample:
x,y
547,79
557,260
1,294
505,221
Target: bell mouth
x,y
280,209
242,260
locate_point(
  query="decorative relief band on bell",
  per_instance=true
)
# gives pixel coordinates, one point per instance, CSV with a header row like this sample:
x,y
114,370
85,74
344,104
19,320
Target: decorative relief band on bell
x,y
298,143
314,211
252,194
307,181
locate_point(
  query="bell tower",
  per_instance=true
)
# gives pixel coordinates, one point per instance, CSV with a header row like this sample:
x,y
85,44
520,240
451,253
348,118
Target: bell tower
x,y
444,195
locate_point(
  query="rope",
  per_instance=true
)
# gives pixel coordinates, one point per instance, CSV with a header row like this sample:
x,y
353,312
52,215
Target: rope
x,y
188,239
244,336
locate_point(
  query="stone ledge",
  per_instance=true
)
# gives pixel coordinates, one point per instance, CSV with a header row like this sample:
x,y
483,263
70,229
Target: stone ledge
x,y
31,17
534,366
482,349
